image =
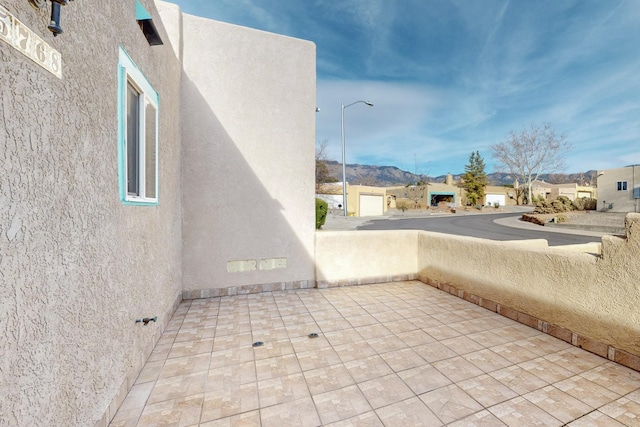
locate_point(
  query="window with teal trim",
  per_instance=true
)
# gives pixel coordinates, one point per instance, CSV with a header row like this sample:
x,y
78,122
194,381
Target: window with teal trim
x,y
137,135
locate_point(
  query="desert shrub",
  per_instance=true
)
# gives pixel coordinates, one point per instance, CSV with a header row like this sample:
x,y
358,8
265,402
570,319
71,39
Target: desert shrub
x,y
561,204
321,213
496,205
543,210
567,204
561,218
557,205
543,206
402,205
585,204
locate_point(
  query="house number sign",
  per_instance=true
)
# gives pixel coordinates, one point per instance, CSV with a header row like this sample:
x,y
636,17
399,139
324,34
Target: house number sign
x,y
29,43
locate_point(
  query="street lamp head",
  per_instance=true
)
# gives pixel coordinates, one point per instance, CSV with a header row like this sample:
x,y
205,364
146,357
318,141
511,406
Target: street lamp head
x,y
368,103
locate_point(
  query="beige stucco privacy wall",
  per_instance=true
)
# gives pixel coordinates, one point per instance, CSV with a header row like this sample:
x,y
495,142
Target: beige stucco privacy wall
x,y
248,135
594,296
365,257
77,266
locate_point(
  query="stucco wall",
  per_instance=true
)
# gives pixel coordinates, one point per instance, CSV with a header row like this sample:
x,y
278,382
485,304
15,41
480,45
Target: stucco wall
x,y
612,200
248,132
594,296
347,257
77,267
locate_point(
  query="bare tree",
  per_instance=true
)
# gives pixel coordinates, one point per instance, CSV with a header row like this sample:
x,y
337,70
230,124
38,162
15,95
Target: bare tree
x,y
323,175
532,152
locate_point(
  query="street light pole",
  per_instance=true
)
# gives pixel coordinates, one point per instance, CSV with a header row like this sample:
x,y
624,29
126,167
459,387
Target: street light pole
x,y
344,166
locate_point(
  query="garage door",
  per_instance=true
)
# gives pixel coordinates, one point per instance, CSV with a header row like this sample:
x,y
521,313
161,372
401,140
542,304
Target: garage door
x,y
493,198
371,205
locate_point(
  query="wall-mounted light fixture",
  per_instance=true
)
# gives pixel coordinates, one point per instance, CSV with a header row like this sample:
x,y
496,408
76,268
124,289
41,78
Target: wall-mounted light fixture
x,y
145,21
38,4
54,25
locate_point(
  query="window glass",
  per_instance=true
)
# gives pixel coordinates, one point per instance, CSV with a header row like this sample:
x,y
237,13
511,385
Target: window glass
x,y
137,135
150,151
132,141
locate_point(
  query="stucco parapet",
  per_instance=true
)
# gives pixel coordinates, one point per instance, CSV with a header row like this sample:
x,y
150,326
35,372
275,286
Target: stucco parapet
x,y
632,226
611,244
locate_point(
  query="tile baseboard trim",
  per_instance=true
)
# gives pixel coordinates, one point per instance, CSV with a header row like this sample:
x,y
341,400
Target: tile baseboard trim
x,y
601,349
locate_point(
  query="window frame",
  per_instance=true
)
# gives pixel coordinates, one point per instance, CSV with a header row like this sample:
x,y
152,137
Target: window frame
x,y
130,76
622,185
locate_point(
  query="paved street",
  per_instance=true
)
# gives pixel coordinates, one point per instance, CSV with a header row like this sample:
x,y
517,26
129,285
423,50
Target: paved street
x,y
499,226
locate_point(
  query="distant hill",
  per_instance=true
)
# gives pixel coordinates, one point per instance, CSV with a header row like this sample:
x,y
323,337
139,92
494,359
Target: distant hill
x,y
388,176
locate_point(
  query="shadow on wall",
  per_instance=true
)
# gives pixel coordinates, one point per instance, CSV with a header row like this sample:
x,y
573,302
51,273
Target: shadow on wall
x,y
248,218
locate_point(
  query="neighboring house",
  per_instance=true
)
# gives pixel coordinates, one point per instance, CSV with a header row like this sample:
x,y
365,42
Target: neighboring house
x,y
619,189
573,191
332,194
540,190
431,194
139,167
504,196
363,200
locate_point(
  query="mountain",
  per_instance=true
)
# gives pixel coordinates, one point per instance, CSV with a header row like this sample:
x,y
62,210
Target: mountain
x,y
388,176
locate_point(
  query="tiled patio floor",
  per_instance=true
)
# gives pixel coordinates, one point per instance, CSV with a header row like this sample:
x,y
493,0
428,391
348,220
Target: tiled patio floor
x,y
397,354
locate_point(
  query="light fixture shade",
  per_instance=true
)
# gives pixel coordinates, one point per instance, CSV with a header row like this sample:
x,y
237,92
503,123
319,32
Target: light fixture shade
x,y
145,21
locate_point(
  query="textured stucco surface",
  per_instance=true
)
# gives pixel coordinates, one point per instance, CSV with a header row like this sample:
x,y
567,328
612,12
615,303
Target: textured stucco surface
x,y
77,267
248,135
609,195
595,296
352,256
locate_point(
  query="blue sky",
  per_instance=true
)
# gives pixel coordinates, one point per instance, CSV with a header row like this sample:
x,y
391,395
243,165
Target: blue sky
x,y
448,77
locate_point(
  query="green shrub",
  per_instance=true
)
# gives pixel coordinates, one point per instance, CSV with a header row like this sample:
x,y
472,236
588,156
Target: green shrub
x,y
321,213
